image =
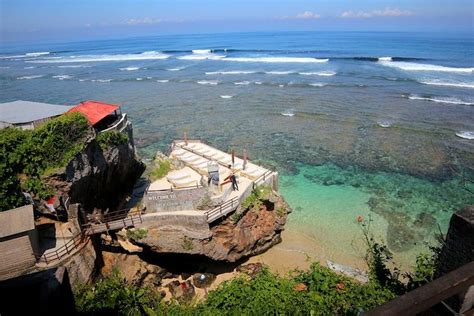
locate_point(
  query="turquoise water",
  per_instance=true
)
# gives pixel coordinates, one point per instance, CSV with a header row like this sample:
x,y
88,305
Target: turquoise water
x,y
406,212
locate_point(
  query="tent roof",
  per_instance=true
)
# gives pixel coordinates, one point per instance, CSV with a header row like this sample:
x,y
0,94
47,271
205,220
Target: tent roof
x,y
94,110
17,112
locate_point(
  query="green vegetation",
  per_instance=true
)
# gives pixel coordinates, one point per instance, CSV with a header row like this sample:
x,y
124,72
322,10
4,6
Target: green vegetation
x,y
318,291
164,166
383,270
187,244
137,233
111,139
26,155
113,295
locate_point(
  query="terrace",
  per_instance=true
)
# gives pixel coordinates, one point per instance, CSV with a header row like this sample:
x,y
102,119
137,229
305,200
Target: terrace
x,y
188,190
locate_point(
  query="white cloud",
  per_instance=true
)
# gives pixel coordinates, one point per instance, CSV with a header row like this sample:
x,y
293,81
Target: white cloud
x,y
308,15
143,21
375,13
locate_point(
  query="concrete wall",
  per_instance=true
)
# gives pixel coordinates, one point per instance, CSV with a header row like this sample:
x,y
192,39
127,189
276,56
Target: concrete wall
x,y
193,226
177,200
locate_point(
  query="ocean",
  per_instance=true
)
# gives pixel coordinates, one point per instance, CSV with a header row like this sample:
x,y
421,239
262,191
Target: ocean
x,y
372,124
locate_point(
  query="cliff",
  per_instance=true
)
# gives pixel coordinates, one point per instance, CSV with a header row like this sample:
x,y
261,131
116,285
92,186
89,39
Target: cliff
x,y
248,231
98,176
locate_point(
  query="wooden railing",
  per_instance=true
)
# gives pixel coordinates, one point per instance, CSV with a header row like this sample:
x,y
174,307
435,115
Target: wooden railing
x,y
113,221
425,297
223,209
69,247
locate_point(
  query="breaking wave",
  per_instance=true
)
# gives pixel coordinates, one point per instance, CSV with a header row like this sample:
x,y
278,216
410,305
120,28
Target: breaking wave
x,y
232,72
448,83
208,82
276,59
465,134
448,100
319,73
424,67
150,55
30,77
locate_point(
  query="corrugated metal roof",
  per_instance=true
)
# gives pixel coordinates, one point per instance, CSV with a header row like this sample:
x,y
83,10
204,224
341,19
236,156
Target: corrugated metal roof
x,y
16,221
94,110
17,112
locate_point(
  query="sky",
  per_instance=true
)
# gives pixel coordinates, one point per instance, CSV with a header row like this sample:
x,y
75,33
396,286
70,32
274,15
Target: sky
x,y
36,20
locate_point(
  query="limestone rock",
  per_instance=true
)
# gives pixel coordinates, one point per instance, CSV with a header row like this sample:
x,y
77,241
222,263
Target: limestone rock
x,y
255,232
132,268
203,280
98,178
183,292
251,269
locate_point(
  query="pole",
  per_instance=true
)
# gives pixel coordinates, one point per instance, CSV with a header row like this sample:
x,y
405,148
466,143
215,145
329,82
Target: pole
x,y
186,138
245,159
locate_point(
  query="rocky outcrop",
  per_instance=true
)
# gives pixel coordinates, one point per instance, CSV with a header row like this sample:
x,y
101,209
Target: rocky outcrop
x,y
258,228
82,267
132,268
98,178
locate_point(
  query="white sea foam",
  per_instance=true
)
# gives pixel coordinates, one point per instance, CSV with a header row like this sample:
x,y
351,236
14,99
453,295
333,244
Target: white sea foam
x,y
319,73
30,67
63,77
208,82
36,54
73,66
317,84
201,54
150,55
289,112
226,96
176,69
6,67
101,80
139,79
279,72
448,83
129,68
244,83
424,67
258,82
276,59
232,72
385,58
465,134
30,77
162,80
201,51
448,100
281,85
384,123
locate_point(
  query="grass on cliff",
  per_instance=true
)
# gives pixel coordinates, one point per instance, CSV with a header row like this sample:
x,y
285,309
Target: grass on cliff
x,y
318,291
25,155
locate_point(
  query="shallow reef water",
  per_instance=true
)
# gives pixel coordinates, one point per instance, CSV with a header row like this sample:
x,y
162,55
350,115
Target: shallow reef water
x,y
405,212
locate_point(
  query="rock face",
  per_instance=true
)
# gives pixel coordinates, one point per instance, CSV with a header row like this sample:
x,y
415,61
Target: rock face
x,y
98,178
258,229
132,268
82,267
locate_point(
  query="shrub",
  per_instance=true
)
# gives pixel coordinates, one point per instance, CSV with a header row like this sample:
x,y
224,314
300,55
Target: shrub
x,y
137,234
113,295
31,153
164,166
111,138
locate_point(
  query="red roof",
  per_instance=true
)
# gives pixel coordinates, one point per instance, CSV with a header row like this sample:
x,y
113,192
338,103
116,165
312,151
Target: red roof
x,y
94,110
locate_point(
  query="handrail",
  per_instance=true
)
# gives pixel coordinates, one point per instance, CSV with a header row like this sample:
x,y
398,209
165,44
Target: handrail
x,y
197,186
218,209
116,126
66,249
428,295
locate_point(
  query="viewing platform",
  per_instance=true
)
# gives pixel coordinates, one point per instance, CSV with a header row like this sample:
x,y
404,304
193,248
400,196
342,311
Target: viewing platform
x,y
201,187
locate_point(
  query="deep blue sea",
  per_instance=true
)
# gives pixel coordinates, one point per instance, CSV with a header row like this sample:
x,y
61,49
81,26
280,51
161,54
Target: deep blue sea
x,y
358,123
